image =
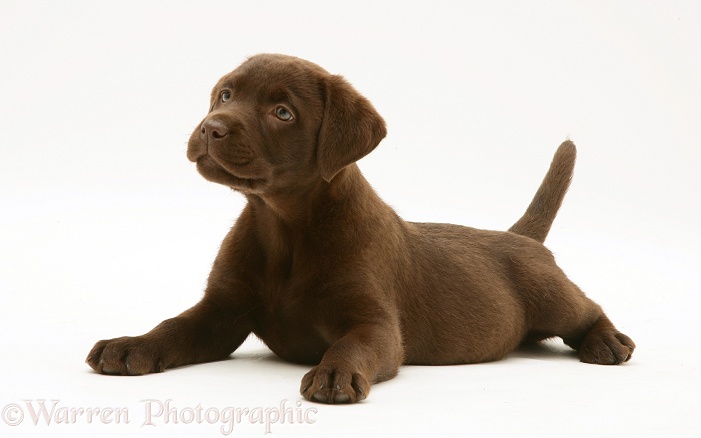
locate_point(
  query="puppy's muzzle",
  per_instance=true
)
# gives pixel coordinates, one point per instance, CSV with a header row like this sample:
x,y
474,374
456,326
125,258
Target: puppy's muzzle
x,y
212,132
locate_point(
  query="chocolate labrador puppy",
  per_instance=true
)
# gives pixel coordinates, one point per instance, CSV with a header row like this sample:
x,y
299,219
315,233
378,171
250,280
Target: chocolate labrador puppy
x,y
327,274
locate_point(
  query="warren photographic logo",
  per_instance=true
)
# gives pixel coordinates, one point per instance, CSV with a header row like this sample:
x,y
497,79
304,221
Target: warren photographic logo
x,y
156,413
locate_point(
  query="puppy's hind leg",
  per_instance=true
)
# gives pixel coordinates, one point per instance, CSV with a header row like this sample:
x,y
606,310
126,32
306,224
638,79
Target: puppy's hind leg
x,y
565,311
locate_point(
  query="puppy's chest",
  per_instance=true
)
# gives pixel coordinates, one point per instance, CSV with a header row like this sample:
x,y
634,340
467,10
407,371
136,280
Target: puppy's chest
x,y
290,327
291,285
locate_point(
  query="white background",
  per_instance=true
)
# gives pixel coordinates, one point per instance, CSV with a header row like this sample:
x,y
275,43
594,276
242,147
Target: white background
x,y
106,229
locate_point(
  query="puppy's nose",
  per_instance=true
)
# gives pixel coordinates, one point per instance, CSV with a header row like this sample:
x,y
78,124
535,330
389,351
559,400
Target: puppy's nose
x,y
213,130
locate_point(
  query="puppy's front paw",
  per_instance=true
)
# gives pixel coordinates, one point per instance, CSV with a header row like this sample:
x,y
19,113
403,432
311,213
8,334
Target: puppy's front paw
x,y
606,348
132,356
334,384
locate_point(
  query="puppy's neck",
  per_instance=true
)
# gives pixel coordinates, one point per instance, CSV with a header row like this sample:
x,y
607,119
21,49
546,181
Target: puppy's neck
x,y
321,220
307,206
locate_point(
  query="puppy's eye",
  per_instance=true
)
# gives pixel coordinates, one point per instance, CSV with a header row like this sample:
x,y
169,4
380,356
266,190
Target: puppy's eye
x,y
283,114
225,95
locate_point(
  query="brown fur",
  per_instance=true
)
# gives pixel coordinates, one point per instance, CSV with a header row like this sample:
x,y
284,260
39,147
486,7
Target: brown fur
x,y
325,273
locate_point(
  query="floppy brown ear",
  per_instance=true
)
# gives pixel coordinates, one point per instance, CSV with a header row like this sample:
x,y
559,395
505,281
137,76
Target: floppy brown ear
x,y
351,128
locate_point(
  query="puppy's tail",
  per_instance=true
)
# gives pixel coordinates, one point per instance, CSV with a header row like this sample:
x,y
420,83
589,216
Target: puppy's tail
x,y
539,216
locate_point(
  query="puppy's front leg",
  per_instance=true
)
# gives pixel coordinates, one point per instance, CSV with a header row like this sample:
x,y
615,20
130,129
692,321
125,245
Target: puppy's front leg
x,y
209,331
367,354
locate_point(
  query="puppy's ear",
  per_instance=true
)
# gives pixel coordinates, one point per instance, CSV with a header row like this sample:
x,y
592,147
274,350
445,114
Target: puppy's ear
x,y
351,128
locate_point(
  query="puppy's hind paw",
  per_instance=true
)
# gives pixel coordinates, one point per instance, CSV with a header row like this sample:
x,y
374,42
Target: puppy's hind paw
x,y
606,348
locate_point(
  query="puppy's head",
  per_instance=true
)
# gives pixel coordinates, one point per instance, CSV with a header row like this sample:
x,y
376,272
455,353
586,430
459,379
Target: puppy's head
x,y
277,123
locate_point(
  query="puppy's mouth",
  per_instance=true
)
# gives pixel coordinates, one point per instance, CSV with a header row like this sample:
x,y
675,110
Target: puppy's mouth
x,y
213,171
